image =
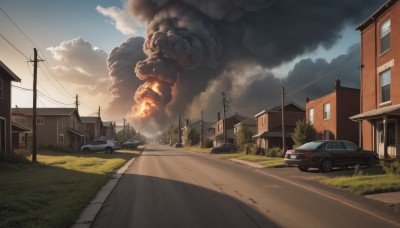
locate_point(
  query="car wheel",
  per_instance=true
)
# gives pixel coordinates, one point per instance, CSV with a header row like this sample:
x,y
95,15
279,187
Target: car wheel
x,y
371,161
109,150
303,168
86,149
326,165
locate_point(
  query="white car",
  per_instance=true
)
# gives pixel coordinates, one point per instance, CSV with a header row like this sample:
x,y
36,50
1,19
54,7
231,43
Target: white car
x,y
101,145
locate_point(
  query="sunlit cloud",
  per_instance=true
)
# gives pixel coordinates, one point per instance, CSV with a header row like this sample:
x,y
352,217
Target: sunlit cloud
x,y
122,20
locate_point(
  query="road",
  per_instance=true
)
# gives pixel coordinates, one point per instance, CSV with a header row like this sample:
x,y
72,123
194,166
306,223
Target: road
x,y
168,187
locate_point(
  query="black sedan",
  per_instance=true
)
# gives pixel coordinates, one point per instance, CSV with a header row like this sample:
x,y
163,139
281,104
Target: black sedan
x,y
225,147
326,154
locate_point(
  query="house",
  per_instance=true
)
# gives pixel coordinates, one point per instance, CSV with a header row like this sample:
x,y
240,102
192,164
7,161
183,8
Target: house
x,y
380,81
108,130
56,127
92,125
6,77
21,137
330,114
269,125
218,136
208,131
250,124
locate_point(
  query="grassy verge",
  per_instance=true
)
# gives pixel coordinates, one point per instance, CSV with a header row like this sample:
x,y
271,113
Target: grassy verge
x,y
262,160
52,192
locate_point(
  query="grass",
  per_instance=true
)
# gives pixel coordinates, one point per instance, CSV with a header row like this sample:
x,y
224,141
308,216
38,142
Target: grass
x,y
53,192
262,160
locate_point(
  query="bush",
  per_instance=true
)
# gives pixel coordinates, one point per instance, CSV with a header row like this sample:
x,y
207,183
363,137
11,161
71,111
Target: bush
x,y
391,167
274,152
18,156
257,151
207,143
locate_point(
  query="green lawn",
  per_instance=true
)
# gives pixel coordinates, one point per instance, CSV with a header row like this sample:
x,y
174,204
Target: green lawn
x,y
53,192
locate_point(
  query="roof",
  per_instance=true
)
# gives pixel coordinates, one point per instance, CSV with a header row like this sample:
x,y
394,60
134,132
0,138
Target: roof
x,y
78,132
44,111
276,132
378,113
19,127
249,122
90,119
234,116
377,14
107,124
11,74
279,108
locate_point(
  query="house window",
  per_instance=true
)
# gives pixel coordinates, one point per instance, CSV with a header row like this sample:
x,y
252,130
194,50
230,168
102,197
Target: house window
x,y
327,111
327,135
61,138
40,120
311,115
263,121
63,122
1,88
219,127
385,36
385,86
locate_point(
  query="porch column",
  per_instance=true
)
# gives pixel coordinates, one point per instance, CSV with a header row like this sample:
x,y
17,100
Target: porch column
x,y
385,153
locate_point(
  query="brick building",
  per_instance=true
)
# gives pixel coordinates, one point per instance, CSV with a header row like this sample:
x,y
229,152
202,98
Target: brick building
x,y
218,137
380,80
269,125
330,114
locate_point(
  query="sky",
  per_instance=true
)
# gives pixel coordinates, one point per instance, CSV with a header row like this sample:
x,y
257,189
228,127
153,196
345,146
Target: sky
x,y
193,51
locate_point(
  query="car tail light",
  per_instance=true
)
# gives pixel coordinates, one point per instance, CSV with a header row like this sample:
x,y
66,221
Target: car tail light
x,y
308,154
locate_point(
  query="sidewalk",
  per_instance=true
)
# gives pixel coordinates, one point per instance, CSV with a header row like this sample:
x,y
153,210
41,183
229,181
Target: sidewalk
x,y
88,215
388,198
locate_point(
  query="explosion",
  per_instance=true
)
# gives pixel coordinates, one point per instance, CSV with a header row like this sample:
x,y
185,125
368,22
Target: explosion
x,y
148,98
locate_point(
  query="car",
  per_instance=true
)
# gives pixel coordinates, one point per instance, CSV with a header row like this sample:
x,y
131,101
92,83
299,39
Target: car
x,y
178,145
225,147
130,144
326,154
109,146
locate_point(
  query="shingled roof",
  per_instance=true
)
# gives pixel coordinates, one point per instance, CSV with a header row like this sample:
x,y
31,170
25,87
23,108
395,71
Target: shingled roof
x,y
9,72
44,111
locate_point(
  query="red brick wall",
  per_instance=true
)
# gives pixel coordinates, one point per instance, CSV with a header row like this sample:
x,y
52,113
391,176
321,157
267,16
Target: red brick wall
x,y
260,127
320,124
348,104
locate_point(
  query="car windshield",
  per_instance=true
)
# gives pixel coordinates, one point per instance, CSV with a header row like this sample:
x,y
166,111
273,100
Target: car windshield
x,y
310,145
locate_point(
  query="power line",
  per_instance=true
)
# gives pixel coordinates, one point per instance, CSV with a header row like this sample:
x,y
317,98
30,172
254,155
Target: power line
x,y
26,57
54,101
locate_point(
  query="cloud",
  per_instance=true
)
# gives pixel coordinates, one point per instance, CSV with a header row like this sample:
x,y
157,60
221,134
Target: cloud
x,y
123,21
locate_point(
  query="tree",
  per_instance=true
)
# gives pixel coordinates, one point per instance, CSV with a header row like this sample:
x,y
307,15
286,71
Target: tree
x,y
192,135
243,135
303,133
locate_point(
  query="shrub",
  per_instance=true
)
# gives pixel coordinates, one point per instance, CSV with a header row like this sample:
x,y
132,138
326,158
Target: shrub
x,y
207,143
303,133
391,167
273,152
17,156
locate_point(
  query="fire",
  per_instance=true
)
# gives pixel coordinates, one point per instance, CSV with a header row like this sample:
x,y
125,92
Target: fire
x,y
146,98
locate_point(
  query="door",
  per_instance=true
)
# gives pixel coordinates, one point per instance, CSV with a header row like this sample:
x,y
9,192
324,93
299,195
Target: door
x,y
338,152
390,139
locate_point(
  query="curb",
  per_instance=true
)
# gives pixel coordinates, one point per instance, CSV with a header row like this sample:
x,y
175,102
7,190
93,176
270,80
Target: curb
x,y
90,212
251,164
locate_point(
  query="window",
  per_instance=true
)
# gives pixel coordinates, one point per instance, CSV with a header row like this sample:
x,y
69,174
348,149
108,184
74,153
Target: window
x,y
385,36
1,88
219,127
350,146
61,138
311,115
385,85
40,120
63,122
327,135
327,111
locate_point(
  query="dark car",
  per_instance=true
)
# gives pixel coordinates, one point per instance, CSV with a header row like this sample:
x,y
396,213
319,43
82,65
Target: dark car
x,y
225,147
130,144
178,145
326,154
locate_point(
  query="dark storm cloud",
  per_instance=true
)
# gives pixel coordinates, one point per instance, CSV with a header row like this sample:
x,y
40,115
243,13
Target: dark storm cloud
x,y
202,39
121,63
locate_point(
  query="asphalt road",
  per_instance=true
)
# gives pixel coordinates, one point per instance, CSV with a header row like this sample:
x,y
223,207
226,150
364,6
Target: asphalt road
x,y
167,187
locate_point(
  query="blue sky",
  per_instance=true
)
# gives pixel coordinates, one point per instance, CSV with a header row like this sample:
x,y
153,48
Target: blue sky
x,y
57,27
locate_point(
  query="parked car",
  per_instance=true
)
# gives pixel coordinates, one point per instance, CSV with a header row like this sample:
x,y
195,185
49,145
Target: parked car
x,y
130,144
225,147
178,145
101,145
325,154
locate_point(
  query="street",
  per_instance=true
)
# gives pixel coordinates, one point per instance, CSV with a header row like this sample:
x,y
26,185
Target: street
x,y
169,187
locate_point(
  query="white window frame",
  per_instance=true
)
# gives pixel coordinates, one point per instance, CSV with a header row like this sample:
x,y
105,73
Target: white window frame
x,y
384,31
311,115
327,111
389,74
61,138
38,122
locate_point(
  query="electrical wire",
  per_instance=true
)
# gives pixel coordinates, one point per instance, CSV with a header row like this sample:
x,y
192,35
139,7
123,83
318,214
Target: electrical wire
x,y
12,45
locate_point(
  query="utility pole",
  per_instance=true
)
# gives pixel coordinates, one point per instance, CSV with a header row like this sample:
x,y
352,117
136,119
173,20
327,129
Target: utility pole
x,y
76,101
283,121
129,132
201,129
224,104
124,129
34,136
99,112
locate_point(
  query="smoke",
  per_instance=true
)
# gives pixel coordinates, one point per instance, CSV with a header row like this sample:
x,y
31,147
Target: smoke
x,y
121,63
191,43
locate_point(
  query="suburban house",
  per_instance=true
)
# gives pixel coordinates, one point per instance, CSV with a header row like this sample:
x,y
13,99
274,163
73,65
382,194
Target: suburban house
x,y
6,77
56,127
218,136
208,131
108,130
21,137
330,114
250,124
269,125
92,125
380,81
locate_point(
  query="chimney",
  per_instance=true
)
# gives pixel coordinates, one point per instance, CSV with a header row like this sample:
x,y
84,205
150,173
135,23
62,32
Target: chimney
x,y
307,99
337,83
218,116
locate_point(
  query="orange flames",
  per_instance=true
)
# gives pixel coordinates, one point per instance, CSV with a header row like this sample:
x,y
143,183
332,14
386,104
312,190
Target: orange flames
x,y
145,98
